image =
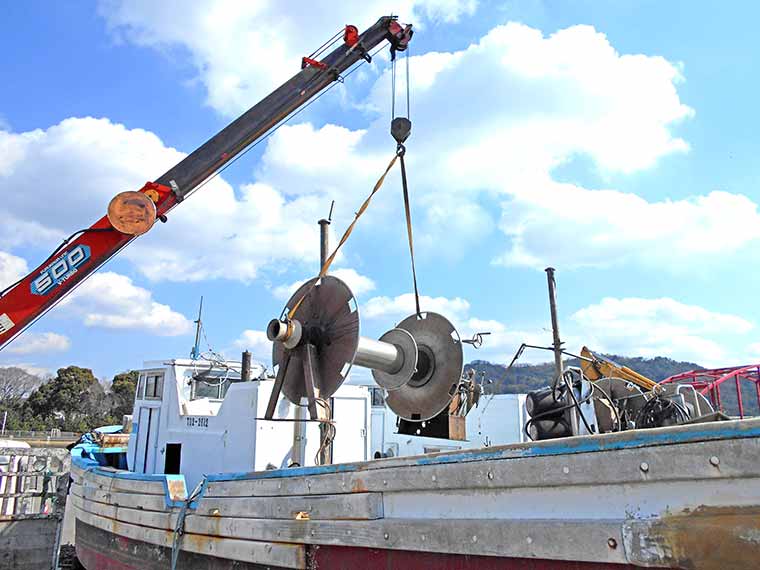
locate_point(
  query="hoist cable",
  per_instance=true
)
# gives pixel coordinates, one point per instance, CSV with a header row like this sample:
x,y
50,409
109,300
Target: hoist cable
x,y
326,45
393,89
408,111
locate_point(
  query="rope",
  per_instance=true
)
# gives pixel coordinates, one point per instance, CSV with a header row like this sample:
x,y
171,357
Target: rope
x,y
400,153
179,529
327,427
329,260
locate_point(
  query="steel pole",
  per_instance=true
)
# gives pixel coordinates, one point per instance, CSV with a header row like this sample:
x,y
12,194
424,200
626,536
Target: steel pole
x,y
325,456
245,367
557,344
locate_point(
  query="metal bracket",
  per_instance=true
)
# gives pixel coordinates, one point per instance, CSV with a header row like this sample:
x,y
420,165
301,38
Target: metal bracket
x,y
277,387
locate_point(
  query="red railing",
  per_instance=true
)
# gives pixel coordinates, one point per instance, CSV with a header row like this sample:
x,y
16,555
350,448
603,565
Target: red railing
x,y
708,383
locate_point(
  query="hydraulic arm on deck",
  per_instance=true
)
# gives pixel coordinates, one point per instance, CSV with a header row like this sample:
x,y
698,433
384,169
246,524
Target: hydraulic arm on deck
x,y
133,213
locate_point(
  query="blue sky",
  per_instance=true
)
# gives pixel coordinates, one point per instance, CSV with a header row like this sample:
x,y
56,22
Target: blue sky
x,y
614,141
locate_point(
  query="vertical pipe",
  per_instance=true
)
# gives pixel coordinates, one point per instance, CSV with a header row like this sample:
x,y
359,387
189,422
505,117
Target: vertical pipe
x,y
245,367
557,343
324,242
325,456
739,396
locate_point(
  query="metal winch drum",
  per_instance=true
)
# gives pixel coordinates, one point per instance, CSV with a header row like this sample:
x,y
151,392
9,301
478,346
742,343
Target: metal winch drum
x,y
419,363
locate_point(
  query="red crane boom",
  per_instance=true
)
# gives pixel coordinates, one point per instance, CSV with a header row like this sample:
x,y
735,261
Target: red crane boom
x,y
133,213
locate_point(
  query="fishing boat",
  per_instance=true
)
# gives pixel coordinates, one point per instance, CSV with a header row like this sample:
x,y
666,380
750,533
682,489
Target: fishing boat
x,y
219,471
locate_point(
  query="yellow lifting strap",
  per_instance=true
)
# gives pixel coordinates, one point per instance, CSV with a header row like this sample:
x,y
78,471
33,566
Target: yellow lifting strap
x,y
329,260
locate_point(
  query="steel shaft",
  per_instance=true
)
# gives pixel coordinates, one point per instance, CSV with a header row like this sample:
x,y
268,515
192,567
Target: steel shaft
x,y
378,355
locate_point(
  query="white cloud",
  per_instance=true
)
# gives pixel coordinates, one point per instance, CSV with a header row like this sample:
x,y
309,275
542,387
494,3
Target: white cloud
x,y
242,50
582,228
257,343
38,343
358,283
549,100
403,305
12,269
93,159
660,327
111,300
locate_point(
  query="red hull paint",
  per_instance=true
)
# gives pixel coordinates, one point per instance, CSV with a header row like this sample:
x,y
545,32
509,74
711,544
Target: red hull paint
x,y
93,560
352,558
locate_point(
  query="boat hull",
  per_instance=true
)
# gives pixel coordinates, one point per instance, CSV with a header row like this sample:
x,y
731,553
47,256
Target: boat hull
x,y
679,497
101,550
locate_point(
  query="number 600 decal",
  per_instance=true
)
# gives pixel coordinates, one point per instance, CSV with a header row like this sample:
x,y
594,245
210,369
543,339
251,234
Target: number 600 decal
x,y
60,269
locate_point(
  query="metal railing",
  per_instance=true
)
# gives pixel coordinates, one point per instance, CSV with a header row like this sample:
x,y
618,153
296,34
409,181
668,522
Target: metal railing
x,y
49,434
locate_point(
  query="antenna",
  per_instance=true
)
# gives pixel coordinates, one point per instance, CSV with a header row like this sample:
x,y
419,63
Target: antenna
x,y
195,353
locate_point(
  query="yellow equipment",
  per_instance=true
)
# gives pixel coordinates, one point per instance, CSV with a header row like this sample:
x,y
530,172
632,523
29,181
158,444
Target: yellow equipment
x,y
596,367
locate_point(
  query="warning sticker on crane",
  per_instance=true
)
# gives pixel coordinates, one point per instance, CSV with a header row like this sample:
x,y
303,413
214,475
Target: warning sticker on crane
x,y
6,323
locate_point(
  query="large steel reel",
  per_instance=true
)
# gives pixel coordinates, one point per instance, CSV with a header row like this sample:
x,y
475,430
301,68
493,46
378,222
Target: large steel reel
x,y
419,363
329,321
440,360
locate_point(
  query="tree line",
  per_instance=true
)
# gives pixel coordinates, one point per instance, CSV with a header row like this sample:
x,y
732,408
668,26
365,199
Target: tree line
x,y
72,400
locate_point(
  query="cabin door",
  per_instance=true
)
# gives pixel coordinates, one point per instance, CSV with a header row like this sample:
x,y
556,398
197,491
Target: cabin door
x,y
147,439
350,443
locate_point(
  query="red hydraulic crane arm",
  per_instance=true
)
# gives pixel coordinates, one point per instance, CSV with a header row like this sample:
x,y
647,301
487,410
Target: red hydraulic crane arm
x,y
132,213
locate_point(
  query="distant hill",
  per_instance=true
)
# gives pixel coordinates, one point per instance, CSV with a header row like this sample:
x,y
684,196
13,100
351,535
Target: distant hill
x,y
523,378
526,377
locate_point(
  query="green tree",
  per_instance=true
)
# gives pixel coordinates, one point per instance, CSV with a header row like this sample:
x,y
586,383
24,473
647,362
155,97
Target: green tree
x,y
123,394
73,401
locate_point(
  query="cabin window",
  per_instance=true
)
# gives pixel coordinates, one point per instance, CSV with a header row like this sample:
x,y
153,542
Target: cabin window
x,y
154,386
211,384
173,458
141,387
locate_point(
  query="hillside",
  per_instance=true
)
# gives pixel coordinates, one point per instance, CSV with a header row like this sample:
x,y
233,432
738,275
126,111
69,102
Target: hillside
x,y
526,377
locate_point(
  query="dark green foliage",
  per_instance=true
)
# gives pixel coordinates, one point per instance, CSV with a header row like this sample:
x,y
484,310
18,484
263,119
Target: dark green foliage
x,y
123,393
73,400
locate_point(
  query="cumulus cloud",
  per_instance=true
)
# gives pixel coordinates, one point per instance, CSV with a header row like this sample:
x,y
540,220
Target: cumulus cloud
x,y
358,283
403,305
242,50
491,164
660,327
12,269
90,160
38,343
488,167
257,343
113,301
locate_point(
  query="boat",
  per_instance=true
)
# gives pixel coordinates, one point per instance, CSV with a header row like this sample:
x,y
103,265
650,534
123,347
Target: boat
x,y
218,471
672,497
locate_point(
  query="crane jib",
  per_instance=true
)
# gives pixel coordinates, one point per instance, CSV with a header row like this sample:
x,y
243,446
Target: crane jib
x,y
85,251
